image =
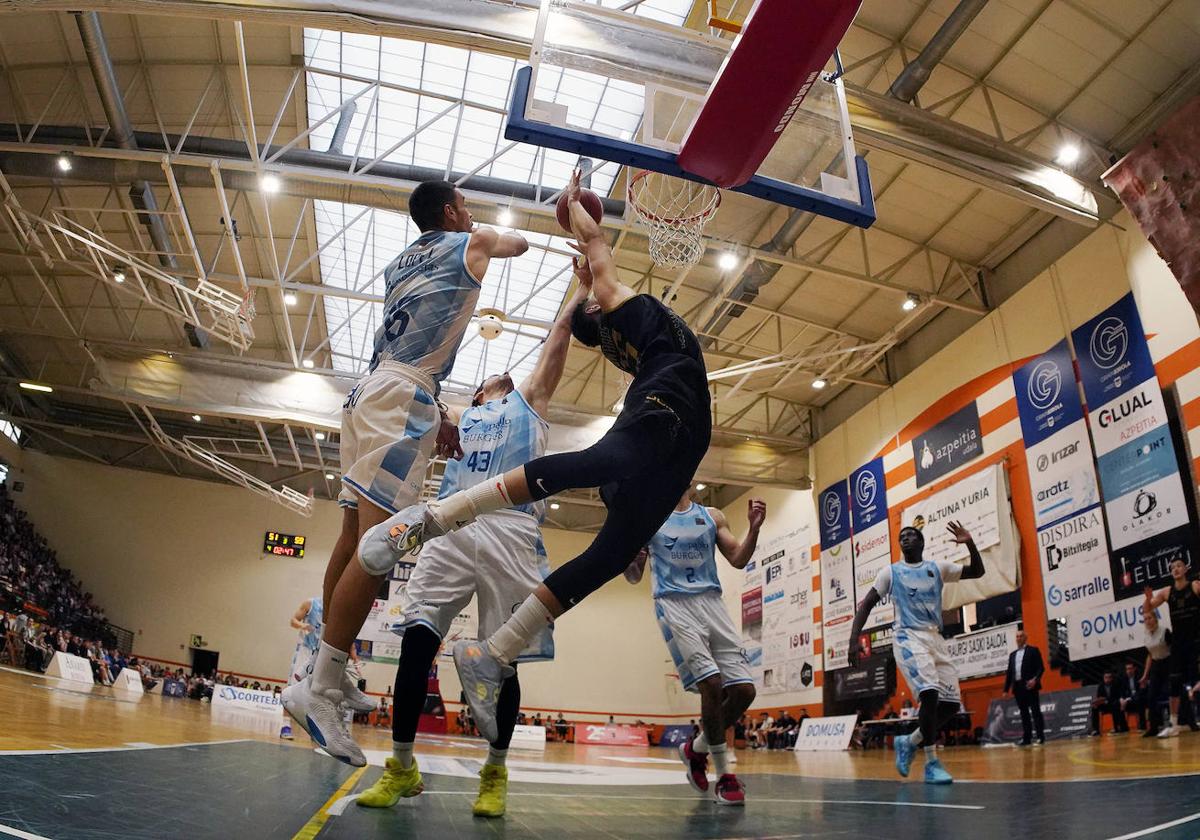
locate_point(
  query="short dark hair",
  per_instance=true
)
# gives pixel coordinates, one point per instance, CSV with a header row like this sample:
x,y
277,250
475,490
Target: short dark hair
x,y
427,202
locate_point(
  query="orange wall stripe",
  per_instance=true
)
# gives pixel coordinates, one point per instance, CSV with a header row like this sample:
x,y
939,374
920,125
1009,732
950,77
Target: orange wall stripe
x,y
1184,360
1191,414
998,417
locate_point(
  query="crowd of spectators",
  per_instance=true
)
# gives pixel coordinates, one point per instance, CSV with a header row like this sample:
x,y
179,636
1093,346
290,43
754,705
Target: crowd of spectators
x,y
31,643
769,733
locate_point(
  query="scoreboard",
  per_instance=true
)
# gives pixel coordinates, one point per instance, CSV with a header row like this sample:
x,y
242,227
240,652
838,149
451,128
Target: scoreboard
x,y
285,545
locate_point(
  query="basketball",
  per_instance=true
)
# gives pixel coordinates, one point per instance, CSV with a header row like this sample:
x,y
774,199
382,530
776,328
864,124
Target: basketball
x,y
591,203
490,327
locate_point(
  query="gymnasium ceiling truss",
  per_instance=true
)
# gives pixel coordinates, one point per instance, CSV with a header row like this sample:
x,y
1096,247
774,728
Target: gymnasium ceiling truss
x,y
286,280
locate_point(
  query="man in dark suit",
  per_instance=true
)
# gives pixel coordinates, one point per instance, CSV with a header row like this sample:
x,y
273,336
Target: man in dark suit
x,y
1111,696
1137,694
1024,679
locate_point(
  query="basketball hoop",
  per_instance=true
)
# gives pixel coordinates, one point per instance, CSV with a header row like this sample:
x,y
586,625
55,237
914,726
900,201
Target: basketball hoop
x,y
675,211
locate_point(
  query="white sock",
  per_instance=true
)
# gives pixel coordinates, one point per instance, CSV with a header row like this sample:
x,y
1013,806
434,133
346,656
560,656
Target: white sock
x,y
403,753
931,753
496,757
515,634
328,668
462,508
700,744
915,739
720,759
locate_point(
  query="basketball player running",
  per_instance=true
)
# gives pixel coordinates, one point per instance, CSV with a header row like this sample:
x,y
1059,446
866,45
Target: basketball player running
x,y
390,423
642,465
1183,600
915,585
499,558
700,636
308,619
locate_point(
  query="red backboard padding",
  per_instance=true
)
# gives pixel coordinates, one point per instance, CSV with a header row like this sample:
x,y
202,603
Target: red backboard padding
x,y
782,48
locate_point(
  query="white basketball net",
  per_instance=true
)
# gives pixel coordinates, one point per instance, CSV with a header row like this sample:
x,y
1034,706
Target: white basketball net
x,y
675,211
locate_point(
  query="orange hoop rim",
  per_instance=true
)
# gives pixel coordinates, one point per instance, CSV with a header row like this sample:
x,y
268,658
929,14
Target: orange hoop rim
x,y
679,221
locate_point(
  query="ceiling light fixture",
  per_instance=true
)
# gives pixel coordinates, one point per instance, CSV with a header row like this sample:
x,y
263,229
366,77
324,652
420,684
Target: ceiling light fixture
x,y
701,486
555,506
270,183
309,363
505,217
911,302
290,299
727,261
64,163
119,274
1068,155
320,436
37,386
197,417
819,383
329,476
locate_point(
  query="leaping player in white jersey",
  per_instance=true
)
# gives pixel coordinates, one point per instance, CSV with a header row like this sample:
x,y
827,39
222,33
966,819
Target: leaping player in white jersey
x,y
499,558
915,585
705,646
390,424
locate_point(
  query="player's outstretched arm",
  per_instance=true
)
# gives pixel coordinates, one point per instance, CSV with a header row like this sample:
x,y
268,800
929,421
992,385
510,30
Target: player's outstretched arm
x,y
487,244
963,537
739,553
298,622
860,620
540,386
1154,599
607,289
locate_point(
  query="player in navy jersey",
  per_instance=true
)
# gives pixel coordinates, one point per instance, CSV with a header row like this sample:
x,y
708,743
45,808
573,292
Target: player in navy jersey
x,y
915,585
390,426
498,559
642,465
704,645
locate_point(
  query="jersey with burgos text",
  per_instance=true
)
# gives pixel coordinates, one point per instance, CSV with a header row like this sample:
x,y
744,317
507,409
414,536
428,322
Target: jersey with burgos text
x,y
429,302
916,590
496,437
683,554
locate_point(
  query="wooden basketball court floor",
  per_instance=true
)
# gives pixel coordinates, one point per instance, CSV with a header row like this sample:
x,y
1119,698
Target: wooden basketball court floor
x,y
76,763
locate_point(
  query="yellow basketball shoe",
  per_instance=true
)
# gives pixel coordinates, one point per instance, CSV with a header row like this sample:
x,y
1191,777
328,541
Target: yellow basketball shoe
x,y
493,791
395,783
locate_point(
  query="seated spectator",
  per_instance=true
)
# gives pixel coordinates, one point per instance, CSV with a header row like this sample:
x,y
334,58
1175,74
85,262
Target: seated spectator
x,y
1110,699
757,736
561,726
1136,701
739,729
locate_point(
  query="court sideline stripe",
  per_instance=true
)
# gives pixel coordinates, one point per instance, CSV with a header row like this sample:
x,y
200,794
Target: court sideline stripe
x,y
126,748
16,832
1159,827
318,820
882,802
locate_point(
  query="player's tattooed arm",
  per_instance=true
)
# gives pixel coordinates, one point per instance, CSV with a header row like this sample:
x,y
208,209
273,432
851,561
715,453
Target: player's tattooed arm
x,y
607,288
963,537
635,570
860,619
739,553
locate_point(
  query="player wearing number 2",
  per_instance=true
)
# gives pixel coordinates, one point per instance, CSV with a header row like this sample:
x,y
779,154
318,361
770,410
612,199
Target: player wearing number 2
x,y
499,558
701,638
390,425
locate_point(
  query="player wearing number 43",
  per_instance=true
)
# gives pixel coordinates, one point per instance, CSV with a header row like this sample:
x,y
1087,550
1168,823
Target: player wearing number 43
x,y
499,558
700,636
390,426
915,585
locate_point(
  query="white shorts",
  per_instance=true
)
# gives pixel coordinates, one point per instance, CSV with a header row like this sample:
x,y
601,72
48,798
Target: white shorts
x,y
701,638
300,660
389,428
925,664
499,558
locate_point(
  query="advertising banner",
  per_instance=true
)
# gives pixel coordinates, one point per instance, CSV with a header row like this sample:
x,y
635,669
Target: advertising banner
x,y
1072,546
983,652
869,679
1139,472
837,574
1066,714
1110,628
246,699
948,445
786,631
621,735
872,538
973,501
825,734
67,666
377,641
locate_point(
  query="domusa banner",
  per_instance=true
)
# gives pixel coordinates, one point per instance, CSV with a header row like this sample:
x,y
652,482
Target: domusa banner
x,y
1139,468
980,503
826,733
1110,628
1066,714
983,652
872,535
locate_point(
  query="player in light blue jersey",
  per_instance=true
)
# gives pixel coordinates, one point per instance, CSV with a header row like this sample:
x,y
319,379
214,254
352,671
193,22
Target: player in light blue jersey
x,y
498,559
390,427
309,620
705,646
915,585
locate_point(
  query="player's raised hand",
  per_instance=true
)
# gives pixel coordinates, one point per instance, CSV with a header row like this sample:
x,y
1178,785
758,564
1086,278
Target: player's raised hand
x,y
756,513
958,532
581,268
448,445
572,188
853,653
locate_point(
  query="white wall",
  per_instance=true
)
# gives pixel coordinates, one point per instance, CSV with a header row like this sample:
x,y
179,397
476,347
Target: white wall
x,y
168,557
